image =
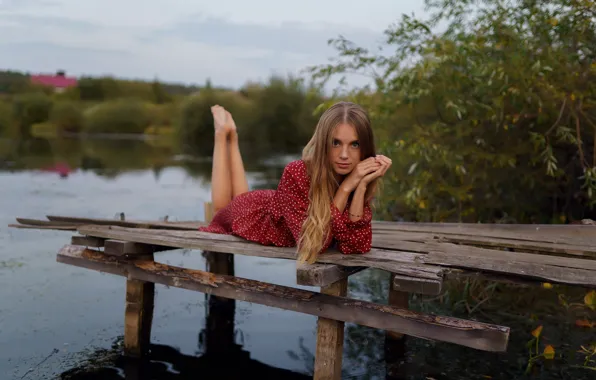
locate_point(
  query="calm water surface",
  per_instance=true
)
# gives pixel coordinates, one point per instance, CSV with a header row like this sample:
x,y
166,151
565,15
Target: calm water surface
x,y
59,321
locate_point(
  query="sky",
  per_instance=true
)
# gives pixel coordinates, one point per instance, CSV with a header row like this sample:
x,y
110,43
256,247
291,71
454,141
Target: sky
x,y
187,41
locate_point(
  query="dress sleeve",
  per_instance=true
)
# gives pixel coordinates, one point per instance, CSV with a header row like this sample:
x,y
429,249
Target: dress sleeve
x,y
352,237
292,198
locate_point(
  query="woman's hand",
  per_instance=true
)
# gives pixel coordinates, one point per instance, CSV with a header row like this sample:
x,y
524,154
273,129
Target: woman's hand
x,y
385,164
364,168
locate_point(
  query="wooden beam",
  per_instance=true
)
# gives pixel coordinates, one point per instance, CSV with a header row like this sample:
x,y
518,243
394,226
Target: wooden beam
x,y
323,274
48,227
395,342
400,240
153,224
124,248
87,241
522,232
478,335
416,285
138,316
397,298
330,338
37,222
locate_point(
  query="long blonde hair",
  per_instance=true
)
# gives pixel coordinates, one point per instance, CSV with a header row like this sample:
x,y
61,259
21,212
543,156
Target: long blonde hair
x,y
323,184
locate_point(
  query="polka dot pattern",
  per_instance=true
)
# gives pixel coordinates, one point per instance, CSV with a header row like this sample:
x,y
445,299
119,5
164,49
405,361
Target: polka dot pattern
x,y
274,217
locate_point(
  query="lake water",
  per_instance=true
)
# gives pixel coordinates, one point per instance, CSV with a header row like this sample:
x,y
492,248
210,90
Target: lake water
x,y
60,321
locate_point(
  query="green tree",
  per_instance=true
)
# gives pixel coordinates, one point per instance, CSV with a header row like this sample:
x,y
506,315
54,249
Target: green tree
x,y
160,96
5,117
283,115
117,116
67,117
489,108
29,109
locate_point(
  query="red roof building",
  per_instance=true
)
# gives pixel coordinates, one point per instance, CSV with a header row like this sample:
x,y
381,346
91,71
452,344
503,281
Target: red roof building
x,y
59,81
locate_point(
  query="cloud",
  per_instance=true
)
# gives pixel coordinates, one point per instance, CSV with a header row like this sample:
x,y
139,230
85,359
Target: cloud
x,y
290,37
182,46
19,4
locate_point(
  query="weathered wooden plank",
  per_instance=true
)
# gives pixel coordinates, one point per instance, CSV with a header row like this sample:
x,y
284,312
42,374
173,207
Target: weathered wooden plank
x,y
123,248
138,317
395,240
39,227
153,224
323,274
548,273
551,233
37,222
87,241
397,298
518,257
330,338
467,250
416,285
472,334
403,264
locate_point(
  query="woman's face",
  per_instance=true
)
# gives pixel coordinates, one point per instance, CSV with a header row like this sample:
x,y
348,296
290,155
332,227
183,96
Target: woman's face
x,y
344,153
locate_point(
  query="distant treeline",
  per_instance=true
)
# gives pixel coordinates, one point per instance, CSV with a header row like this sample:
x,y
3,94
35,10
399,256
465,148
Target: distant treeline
x,y
276,117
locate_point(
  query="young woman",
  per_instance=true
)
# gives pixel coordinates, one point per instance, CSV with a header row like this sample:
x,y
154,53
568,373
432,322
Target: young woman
x,y
321,199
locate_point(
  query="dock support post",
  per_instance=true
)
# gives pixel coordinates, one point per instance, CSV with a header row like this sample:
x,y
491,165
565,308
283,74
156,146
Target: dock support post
x,y
395,343
330,338
138,315
220,324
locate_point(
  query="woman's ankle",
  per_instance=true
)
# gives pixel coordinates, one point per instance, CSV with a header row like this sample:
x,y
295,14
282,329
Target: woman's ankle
x,y
233,136
221,135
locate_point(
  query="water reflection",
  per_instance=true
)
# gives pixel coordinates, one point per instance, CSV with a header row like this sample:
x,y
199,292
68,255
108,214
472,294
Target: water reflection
x,y
111,157
165,362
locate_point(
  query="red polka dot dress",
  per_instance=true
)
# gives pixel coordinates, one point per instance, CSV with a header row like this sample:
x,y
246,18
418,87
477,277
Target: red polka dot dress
x,y
274,217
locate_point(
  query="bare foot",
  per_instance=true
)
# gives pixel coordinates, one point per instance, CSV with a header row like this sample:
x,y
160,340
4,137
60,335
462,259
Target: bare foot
x,y
219,118
230,125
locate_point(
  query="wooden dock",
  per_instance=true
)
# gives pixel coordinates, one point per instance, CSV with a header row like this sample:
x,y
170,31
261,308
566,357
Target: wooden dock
x,y
419,256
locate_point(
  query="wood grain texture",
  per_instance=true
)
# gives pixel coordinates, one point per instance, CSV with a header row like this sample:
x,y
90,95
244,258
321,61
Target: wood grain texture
x,y
87,241
472,334
129,248
138,317
323,274
330,338
431,265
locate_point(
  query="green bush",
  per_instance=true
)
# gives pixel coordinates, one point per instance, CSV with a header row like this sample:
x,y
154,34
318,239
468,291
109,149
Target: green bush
x,y
29,109
283,119
194,127
5,117
121,116
67,117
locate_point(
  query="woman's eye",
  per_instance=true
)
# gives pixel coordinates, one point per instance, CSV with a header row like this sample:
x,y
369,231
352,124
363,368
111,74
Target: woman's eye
x,y
335,143
355,145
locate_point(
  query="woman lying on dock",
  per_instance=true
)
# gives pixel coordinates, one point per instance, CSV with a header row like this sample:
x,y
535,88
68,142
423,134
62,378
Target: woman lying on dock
x,y
321,199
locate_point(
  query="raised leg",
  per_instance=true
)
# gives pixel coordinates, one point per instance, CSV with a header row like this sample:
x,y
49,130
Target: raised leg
x,y
239,181
221,180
